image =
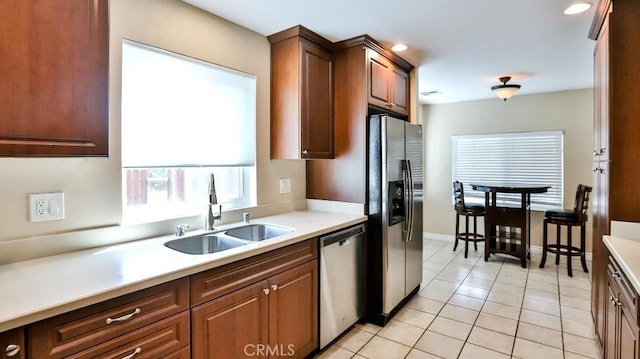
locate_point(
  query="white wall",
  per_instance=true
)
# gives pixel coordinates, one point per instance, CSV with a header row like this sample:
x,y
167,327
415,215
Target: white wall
x,y
92,186
569,111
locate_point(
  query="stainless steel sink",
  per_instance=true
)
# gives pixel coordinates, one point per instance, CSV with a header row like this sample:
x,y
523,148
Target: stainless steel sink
x,y
205,244
257,232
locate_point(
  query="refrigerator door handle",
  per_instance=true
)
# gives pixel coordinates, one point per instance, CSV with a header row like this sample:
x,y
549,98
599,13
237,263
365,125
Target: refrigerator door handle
x,y
409,237
408,190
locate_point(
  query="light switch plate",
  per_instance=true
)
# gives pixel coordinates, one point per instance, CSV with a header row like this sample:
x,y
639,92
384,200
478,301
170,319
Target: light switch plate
x,y
46,206
285,185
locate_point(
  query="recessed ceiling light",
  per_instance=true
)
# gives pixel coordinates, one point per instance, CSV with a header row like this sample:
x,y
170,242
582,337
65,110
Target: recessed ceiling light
x,y
577,8
399,47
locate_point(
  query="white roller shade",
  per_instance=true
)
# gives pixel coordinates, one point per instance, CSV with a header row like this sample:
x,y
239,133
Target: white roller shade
x,y
178,111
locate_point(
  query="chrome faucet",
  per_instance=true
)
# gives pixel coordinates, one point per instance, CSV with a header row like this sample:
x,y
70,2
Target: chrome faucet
x,y
181,230
213,200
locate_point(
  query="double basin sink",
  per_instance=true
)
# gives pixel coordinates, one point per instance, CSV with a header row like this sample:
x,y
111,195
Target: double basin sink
x,y
226,239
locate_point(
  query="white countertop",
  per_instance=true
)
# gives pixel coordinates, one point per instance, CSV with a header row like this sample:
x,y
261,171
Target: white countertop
x,y
627,253
41,288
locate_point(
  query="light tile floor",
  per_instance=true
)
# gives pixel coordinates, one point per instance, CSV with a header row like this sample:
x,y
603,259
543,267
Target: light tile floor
x,y
469,308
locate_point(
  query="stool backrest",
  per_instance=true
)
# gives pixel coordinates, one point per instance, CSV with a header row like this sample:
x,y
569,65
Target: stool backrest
x,y
458,195
582,201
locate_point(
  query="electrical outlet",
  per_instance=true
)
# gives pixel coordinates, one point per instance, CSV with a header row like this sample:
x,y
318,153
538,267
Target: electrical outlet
x,y
46,206
285,185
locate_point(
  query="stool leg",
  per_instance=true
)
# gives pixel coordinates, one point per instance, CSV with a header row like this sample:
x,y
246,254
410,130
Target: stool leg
x,y
583,258
466,236
544,243
455,244
569,251
557,246
475,232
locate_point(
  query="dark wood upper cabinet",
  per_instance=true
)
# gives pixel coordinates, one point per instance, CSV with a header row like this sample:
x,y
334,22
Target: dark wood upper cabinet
x,y
388,84
301,95
616,166
368,77
54,71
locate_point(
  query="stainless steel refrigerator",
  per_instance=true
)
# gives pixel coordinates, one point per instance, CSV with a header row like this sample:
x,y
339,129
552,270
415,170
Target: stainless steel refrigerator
x,y
394,243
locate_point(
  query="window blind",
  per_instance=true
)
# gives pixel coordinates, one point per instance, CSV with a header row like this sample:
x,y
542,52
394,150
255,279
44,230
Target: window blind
x,y
511,158
178,111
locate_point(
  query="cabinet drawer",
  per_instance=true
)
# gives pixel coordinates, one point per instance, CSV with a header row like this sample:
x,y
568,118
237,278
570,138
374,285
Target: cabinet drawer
x,y
154,341
217,282
12,344
183,353
84,328
629,294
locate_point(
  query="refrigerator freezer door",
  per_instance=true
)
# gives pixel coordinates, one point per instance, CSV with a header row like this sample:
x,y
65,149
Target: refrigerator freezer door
x,y
413,150
393,237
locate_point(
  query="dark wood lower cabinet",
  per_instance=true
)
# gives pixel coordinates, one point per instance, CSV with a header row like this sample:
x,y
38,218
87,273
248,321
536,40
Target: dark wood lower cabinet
x,y
276,317
12,344
621,317
231,326
265,306
293,308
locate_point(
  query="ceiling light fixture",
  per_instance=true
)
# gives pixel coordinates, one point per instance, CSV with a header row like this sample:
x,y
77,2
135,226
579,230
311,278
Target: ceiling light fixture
x,y
505,91
399,47
577,8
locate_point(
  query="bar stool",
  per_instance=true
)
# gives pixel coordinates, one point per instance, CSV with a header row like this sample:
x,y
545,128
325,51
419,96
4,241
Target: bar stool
x,y
466,210
569,218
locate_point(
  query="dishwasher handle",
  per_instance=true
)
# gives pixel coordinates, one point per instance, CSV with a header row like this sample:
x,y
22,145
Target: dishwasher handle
x,y
342,235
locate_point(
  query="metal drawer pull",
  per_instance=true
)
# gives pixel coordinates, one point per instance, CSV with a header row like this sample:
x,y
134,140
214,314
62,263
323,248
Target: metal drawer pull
x,y
124,317
12,350
614,301
266,291
616,275
137,351
274,287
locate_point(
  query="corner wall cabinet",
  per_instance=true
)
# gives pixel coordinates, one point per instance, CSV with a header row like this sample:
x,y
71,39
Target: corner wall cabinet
x,y
368,77
616,30
301,95
12,344
54,71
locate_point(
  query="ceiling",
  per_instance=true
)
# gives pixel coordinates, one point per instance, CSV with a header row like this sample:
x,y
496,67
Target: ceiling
x,y
460,47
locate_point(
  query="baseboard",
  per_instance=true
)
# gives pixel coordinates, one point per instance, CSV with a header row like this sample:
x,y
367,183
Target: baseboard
x,y
450,238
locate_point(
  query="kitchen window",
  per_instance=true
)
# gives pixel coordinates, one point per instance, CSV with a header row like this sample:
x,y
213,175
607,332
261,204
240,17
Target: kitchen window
x,y
511,158
183,119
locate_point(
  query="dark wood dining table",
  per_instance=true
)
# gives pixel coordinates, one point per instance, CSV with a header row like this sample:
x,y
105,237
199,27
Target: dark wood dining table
x,y
508,227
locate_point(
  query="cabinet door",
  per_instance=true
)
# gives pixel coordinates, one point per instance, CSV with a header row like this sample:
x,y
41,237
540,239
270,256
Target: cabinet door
x,y
611,321
627,333
54,71
601,94
293,311
12,344
379,79
600,205
400,101
388,84
232,326
317,102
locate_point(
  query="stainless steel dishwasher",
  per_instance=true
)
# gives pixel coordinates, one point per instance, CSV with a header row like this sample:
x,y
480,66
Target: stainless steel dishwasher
x,y
341,281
